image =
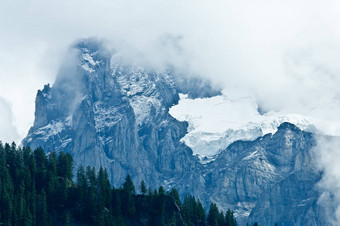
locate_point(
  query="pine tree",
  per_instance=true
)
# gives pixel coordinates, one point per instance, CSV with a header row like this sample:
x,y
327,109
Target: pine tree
x,y
67,221
128,185
6,188
41,172
200,214
143,188
33,191
213,215
128,203
221,218
61,194
82,187
116,202
52,180
30,169
65,165
42,210
91,177
174,194
161,191
188,208
230,219
104,188
20,203
28,220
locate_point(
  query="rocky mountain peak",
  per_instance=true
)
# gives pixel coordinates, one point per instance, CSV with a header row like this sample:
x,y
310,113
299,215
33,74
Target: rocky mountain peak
x,y
114,115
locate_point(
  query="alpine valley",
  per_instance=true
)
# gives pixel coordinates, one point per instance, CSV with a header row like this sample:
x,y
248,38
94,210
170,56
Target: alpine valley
x,y
110,113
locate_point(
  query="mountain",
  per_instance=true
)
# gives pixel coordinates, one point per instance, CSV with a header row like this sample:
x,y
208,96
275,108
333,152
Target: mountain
x,y
107,113
218,121
272,178
110,113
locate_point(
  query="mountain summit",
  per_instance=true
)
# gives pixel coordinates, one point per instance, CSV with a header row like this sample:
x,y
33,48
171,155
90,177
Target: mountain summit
x,y
106,113
115,115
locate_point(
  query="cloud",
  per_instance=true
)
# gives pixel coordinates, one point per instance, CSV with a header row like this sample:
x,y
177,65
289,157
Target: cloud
x,y
283,53
327,157
8,132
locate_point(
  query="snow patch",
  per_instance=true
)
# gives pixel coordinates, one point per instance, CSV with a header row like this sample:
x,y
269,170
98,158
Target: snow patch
x,y
142,94
244,209
216,122
87,57
105,116
64,143
87,68
142,107
47,95
252,155
88,62
50,130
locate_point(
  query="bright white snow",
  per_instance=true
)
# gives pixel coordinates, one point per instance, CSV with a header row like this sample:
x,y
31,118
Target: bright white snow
x,y
87,61
216,122
137,85
53,128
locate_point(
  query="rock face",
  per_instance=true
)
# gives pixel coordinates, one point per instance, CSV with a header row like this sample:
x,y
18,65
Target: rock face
x,y
271,180
107,113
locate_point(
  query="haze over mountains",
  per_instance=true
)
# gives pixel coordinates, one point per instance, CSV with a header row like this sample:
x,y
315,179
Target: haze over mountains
x,y
185,80
111,113
265,49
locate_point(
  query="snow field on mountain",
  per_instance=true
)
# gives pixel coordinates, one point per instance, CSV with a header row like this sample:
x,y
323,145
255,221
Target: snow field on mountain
x,y
216,122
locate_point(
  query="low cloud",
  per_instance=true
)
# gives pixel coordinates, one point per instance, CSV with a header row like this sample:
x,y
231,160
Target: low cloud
x,y
8,132
284,54
327,158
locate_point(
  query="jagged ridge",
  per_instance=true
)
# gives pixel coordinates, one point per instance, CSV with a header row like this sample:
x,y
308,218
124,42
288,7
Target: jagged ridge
x,y
106,113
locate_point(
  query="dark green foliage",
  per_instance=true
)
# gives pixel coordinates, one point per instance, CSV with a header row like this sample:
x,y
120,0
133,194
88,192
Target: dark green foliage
x,y
161,191
219,218
229,218
64,164
143,190
174,194
128,185
38,190
213,215
193,211
67,221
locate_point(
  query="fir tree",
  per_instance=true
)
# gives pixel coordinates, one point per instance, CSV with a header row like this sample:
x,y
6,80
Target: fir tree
x,y
213,215
143,188
34,191
128,185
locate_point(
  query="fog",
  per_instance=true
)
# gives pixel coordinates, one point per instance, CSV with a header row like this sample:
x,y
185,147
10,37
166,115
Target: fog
x,y
283,53
327,157
7,129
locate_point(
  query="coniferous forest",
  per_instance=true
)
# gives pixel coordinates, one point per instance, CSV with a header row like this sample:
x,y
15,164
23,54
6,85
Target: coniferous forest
x,y
38,189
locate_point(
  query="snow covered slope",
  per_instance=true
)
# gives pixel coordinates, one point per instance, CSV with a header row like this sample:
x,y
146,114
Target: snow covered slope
x,y
216,122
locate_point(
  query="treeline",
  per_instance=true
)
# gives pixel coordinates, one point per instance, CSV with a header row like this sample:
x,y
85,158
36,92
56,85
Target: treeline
x,y
38,189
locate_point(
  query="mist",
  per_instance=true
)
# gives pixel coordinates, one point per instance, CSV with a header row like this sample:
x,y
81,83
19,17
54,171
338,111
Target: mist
x,y
285,54
7,128
327,157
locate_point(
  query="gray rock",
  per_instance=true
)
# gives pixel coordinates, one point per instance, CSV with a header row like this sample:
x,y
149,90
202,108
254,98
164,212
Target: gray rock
x,y
110,114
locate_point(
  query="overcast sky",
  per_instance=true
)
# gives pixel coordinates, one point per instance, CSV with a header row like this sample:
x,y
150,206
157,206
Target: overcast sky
x,y
285,53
